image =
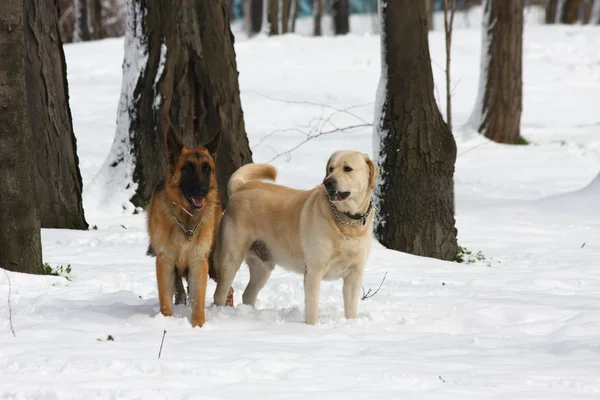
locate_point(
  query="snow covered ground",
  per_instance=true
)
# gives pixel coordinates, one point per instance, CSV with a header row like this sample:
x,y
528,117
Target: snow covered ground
x,y
522,324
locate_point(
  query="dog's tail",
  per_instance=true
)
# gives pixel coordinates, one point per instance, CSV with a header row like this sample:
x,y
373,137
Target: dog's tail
x,y
248,173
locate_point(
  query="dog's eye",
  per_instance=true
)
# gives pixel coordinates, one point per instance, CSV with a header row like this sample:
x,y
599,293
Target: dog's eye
x,y
347,169
330,169
206,167
187,168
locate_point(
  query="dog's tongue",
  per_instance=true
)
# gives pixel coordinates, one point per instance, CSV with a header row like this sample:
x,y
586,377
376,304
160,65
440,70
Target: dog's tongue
x,y
198,201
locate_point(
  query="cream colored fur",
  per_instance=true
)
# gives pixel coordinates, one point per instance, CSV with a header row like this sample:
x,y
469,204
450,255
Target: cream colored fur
x,y
268,224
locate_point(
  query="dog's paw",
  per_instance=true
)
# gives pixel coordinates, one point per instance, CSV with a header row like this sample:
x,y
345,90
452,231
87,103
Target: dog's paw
x,y
198,321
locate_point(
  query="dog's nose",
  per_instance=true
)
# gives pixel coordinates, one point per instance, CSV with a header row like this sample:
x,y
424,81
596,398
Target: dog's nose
x,y
329,183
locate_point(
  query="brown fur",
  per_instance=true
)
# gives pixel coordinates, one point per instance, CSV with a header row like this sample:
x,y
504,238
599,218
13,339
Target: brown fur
x,y
176,255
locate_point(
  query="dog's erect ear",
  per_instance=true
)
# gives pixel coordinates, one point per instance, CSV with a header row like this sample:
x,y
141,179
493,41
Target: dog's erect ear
x,y
174,147
213,145
372,172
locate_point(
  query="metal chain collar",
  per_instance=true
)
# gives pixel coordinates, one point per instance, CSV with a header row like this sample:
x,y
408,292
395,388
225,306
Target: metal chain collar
x,y
362,220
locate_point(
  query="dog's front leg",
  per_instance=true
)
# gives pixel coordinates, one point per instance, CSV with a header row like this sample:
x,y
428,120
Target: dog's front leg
x,y
352,284
312,291
165,277
198,278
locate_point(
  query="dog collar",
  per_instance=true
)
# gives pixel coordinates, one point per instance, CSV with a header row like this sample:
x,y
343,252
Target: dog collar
x,y
360,218
188,232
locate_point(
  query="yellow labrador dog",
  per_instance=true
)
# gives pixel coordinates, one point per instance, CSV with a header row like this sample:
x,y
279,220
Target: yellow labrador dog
x,y
323,233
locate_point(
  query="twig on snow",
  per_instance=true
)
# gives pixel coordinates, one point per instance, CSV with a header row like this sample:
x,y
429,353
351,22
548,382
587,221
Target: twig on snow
x,y
161,343
370,292
12,329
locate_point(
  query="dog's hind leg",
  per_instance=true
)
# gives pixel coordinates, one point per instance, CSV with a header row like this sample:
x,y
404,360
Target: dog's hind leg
x,y
260,264
180,295
228,256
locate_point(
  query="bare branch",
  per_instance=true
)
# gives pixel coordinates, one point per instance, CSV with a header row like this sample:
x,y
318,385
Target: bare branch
x,y
12,329
370,293
311,137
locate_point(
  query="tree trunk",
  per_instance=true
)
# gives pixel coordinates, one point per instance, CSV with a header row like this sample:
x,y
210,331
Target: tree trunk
x,y
413,146
296,9
551,11
595,13
570,12
58,180
497,112
341,17
253,14
82,21
317,14
273,17
20,243
180,73
285,16
96,20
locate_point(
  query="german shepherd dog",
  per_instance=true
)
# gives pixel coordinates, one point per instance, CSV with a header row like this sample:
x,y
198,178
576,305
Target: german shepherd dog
x,y
183,219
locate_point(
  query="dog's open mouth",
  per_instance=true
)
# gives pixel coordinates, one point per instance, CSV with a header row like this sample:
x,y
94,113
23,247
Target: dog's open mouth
x,y
338,196
197,201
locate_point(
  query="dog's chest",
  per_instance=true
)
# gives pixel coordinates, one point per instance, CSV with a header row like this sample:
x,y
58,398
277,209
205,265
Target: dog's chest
x,y
350,254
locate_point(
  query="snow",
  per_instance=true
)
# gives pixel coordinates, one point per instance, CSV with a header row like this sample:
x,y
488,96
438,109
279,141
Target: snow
x,y
161,66
524,323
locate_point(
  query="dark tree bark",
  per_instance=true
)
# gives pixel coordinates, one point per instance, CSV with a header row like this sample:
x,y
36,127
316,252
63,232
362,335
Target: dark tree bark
x,y
285,15
82,21
571,11
20,243
58,179
253,13
317,16
497,113
96,20
273,17
341,17
188,82
413,146
551,11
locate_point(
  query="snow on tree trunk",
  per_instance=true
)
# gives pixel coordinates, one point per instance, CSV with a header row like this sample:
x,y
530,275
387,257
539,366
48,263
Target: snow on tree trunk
x,y
497,110
179,73
413,147
20,243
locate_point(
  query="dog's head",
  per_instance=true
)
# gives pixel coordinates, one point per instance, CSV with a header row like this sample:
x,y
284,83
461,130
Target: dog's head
x,y
350,178
191,173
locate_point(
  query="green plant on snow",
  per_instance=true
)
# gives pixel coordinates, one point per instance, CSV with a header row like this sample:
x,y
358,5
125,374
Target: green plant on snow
x,y
59,270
